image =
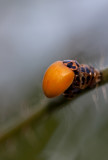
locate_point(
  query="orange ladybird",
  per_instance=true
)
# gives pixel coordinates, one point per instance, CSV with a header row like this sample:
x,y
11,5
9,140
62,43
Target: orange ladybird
x,y
57,79
69,77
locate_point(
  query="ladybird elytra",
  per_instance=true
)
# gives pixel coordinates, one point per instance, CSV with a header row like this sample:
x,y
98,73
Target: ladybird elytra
x,y
58,77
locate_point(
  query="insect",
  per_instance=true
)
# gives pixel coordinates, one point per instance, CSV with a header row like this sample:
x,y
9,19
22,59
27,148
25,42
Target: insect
x,y
68,77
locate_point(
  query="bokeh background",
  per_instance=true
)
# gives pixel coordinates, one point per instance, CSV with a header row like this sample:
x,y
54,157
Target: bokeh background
x,y
33,34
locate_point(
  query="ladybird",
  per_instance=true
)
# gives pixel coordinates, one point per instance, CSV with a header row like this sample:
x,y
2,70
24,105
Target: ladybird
x,y
69,78
57,79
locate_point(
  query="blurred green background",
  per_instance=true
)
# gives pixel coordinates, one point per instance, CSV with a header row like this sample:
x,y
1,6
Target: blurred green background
x,y
33,34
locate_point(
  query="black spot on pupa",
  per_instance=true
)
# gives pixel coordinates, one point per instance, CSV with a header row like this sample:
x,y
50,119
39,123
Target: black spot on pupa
x,y
70,65
74,67
78,79
82,69
83,80
87,70
76,72
92,77
88,79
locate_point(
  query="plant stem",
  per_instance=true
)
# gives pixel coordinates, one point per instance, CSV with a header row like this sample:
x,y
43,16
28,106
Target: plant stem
x,y
105,76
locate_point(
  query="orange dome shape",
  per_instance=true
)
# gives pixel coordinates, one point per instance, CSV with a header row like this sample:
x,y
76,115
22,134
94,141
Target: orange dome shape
x,y
57,79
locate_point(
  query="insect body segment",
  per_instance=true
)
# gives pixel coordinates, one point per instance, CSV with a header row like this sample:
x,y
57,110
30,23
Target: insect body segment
x,y
85,77
69,77
71,64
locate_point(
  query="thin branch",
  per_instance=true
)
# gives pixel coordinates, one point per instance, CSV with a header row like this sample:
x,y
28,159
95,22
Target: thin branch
x,y
46,108
105,76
